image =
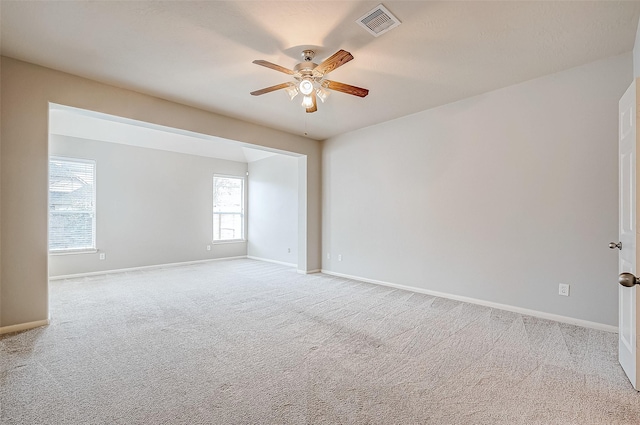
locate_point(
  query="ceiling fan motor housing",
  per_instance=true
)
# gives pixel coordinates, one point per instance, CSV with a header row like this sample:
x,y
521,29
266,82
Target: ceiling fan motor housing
x,y
304,70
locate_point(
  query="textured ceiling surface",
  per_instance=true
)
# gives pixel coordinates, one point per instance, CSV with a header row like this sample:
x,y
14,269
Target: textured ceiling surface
x,y
199,52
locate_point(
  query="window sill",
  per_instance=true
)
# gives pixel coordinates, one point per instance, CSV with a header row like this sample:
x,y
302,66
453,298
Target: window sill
x,y
74,251
229,241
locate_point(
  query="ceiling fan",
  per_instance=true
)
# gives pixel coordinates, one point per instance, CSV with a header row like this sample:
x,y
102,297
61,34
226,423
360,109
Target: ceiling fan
x,y
310,79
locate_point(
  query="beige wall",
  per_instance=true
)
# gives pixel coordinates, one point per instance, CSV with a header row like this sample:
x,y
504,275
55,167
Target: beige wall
x,y
26,91
636,53
0,190
499,197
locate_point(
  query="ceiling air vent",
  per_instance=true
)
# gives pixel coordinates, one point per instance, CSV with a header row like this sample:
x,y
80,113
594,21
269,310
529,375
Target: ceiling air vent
x,y
378,21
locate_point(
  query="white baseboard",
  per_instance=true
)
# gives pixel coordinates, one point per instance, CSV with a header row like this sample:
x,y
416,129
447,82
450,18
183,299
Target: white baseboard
x,y
282,263
309,271
23,326
130,269
525,311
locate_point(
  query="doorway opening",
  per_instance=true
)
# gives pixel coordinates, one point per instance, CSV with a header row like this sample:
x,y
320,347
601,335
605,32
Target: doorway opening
x,y
126,194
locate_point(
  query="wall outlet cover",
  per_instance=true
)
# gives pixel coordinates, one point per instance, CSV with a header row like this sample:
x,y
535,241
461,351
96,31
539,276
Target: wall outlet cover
x,y
563,289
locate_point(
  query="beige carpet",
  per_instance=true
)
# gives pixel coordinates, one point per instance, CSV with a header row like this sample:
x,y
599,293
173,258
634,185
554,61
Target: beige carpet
x,y
246,342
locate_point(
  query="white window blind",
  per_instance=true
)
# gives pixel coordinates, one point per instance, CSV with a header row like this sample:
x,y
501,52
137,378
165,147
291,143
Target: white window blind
x,y
72,207
228,208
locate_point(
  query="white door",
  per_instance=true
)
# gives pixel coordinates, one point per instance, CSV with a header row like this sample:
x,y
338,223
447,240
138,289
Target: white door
x,y
628,297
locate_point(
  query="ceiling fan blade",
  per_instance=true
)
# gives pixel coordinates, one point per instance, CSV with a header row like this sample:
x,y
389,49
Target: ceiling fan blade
x,y
339,58
273,66
345,88
314,107
270,89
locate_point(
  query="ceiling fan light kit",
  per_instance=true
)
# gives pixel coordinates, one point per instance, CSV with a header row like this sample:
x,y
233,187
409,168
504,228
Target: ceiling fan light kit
x,y
310,79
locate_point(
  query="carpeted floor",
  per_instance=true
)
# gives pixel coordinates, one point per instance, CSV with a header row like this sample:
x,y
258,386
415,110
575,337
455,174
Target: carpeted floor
x,y
247,342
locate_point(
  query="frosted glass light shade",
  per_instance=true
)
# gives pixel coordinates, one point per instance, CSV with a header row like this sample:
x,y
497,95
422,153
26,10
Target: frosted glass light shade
x,y
322,94
292,91
306,87
307,102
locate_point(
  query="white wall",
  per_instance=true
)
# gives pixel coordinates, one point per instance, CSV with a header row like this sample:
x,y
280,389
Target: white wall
x,y
152,206
499,197
27,90
273,209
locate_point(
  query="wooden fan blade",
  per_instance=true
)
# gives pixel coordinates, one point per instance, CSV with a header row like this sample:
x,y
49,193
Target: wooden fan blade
x,y
270,89
314,107
273,66
339,58
345,88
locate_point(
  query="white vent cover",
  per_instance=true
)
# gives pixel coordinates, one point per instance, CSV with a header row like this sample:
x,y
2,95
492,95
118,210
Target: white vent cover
x,y
378,21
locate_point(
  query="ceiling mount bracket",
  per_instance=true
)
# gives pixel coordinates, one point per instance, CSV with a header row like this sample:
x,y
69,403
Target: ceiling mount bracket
x,y
308,55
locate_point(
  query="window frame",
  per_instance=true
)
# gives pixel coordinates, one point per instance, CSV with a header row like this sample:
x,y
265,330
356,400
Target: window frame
x,y
243,208
94,236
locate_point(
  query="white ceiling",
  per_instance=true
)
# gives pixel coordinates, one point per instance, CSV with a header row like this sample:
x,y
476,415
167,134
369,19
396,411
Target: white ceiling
x,y
199,52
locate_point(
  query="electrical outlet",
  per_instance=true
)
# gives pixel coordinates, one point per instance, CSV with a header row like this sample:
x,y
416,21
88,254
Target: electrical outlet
x,y
103,256
339,257
208,247
563,289
328,256
289,250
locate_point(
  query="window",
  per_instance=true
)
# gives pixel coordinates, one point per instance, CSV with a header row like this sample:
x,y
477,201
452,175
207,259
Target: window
x,y
72,207
228,208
